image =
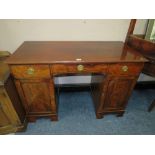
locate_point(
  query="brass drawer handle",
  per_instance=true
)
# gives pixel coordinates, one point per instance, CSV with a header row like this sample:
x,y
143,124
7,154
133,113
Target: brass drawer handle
x,y
125,68
30,71
80,67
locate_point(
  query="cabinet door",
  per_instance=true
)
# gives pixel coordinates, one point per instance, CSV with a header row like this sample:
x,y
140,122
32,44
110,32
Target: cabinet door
x,y
118,92
37,95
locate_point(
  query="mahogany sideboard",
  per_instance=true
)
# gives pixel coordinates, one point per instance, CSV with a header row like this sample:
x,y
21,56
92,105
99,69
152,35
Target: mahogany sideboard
x,y
113,66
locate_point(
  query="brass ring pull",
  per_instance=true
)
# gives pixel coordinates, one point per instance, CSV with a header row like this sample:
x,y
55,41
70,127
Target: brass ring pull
x,y
30,71
125,68
80,67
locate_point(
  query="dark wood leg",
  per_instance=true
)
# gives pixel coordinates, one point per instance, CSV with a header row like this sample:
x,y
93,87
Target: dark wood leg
x,y
120,114
99,116
151,106
54,118
31,119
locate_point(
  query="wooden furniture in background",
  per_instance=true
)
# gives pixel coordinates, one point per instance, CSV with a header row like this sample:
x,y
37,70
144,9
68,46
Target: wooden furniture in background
x,y
144,47
114,68
12,115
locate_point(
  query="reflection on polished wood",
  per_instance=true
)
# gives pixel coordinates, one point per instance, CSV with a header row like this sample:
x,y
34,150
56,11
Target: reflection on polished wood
x,y
114,67
69,51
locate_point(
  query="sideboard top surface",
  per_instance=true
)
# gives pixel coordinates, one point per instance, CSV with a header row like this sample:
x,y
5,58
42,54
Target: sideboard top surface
x,y
42,52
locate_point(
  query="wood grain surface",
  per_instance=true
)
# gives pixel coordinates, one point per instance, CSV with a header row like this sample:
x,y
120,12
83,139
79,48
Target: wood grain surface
x,y
38,52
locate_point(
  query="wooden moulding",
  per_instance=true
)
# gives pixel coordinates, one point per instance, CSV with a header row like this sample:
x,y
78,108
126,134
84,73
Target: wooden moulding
x,y
140,44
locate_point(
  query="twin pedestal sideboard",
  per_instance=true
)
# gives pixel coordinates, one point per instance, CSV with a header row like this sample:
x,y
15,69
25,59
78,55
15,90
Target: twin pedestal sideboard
x,y
113,66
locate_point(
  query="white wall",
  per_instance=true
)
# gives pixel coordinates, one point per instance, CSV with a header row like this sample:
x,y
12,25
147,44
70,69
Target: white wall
x,y
14,32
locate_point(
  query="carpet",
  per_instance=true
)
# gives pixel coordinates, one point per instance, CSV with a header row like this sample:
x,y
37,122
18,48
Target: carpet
x,y
77,117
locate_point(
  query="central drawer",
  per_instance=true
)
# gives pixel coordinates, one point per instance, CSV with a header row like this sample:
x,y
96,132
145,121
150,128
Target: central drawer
x,y
78,68
30,71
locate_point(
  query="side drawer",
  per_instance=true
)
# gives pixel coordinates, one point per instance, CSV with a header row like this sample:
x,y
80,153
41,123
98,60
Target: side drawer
x,y
133,69
30,71
79,68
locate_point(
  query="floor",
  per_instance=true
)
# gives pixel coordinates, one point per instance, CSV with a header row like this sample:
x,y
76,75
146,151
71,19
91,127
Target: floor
x,y
77,117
